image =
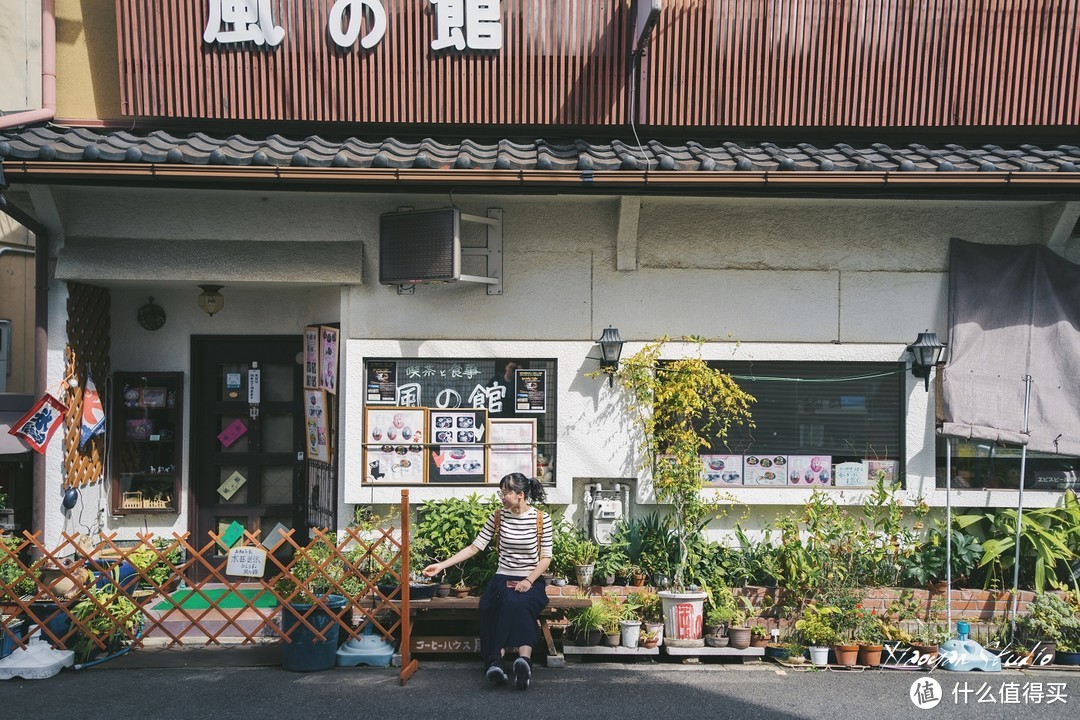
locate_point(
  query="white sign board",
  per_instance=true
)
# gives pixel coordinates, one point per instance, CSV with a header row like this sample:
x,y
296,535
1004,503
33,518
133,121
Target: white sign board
x,y
246,562
851,474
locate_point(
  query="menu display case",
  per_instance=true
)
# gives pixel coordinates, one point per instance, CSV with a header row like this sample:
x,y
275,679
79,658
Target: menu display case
x,y
146,428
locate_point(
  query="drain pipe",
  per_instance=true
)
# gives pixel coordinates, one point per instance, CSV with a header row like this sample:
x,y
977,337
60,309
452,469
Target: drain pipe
x,y
48,74
41,335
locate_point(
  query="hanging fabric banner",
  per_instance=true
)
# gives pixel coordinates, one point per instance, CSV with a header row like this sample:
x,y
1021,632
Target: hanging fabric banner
x,y
37,426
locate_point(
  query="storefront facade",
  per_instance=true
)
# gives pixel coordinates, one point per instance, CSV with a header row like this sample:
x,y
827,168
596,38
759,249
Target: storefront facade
x,y
817,263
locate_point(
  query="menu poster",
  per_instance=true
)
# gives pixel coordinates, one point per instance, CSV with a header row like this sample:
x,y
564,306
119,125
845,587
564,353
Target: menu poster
x,y
809,470
530,391
311,359
765,470
511,447
381,383
884,470
719,470
315,425
328,358
394,445
458,453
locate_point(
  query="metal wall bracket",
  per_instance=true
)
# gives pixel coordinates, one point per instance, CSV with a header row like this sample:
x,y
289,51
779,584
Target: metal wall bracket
x,y
492,251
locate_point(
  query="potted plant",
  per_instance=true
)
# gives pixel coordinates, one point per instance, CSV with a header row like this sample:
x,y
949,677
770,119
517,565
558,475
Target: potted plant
x,y
649,639
1049,622
759,636
608,563
869,636
818,627
927,638
312,611
105,619
7,515
582,553
680,407
585,624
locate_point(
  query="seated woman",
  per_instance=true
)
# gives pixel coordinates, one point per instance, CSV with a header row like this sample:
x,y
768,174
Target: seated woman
x,y
513,599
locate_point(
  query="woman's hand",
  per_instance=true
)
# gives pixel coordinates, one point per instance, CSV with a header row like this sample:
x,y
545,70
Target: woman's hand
x,y
432,570
524,585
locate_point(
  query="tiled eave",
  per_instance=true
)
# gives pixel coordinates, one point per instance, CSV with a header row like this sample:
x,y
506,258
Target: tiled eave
x,y
52,155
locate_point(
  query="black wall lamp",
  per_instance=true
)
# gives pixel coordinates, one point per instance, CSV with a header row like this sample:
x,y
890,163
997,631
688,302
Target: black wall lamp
x,y
926,353
610,349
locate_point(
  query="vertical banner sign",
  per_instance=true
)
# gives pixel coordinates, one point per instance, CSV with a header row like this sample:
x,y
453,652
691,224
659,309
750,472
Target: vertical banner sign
x,y
315,426
328,359
530,390
311,357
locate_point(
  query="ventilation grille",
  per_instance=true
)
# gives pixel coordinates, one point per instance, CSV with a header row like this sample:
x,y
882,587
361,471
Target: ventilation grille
x,y
420,247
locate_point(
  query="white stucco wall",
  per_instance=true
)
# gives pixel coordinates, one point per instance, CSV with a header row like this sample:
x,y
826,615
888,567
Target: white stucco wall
x,y
773,279
20,55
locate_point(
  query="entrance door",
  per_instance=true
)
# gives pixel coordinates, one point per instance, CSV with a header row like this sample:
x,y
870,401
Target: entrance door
x,y
247,459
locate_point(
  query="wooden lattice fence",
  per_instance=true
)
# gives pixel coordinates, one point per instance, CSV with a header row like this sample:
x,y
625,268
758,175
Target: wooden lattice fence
x,y
169,592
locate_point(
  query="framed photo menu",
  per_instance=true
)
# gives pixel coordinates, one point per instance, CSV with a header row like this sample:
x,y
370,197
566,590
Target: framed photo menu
x,y
457,452
394,440
511,447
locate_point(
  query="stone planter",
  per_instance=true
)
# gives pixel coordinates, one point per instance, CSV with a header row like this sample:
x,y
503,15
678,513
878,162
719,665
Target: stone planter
x,y
739,637
683,618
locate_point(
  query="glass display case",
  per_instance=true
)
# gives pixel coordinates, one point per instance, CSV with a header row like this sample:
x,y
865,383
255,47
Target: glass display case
x,y
146,428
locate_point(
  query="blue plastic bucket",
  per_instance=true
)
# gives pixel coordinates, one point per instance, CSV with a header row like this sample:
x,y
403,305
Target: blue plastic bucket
x,y
13,628
306,652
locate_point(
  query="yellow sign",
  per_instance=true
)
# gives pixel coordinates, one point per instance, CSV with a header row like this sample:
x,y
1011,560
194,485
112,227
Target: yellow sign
x,y
232,483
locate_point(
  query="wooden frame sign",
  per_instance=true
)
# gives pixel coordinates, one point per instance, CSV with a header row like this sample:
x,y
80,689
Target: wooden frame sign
x,y
394,445
457,453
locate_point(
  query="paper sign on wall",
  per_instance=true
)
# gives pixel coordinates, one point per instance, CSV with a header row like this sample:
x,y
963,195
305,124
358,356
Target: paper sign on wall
x,y
232,483
246,562
235,430
851,474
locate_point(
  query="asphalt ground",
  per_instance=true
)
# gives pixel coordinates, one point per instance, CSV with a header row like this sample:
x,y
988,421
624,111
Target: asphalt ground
x,y
220,686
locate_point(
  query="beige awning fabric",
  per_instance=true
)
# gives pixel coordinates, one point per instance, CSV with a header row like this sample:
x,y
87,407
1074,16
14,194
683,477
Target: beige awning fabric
x,y
9,444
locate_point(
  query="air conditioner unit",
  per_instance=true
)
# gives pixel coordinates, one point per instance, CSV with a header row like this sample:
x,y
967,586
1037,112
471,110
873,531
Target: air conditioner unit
x,y
420,247
424,246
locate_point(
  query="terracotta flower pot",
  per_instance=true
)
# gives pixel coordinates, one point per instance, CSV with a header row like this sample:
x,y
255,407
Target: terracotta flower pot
x,y
870,655
846,654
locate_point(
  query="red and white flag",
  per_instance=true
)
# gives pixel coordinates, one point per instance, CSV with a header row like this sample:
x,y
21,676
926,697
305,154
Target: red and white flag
x,y
40,422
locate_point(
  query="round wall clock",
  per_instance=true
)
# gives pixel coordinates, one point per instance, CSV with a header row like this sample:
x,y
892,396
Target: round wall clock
x,y
151,316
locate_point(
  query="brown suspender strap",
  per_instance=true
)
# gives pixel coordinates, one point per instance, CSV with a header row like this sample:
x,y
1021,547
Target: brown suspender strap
x,y
539,530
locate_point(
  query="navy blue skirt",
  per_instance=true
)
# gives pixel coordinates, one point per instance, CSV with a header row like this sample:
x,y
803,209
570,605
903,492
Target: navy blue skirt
x,y
509,618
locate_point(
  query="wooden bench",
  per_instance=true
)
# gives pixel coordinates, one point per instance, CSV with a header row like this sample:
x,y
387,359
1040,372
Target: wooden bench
x,y
457,610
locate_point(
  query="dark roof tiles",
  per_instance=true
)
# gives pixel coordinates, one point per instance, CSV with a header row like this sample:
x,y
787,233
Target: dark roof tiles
x,y
83,144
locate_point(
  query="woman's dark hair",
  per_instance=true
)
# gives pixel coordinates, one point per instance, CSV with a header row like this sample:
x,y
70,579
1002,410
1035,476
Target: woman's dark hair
x,y
534,491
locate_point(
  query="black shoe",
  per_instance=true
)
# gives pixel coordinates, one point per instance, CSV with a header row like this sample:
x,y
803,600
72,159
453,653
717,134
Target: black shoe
x,y
522,673
495,673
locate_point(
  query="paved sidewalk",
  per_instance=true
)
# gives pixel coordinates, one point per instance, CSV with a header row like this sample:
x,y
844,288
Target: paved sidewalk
x,y
211,685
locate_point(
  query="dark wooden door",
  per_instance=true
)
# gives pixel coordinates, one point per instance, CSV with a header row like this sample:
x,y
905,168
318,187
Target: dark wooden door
x,y
247,459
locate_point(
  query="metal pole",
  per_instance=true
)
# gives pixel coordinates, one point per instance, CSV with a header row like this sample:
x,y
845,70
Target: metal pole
x,y
1020,511
948,533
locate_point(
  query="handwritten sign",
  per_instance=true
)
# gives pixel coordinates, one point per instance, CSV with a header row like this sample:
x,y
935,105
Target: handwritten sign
x,y
232,483
851,474
246,562
236,430
446,645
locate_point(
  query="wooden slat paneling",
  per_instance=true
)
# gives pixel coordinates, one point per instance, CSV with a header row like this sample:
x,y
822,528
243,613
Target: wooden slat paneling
x,y
864,63
712,63
577,67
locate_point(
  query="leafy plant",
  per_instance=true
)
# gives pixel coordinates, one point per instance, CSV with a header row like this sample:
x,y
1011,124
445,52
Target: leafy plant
x,y
1049,618
106,618
650,608
582,620
316,570
818,625
14,580
929,565
158,567
1049,542
579,549
680,407
446,526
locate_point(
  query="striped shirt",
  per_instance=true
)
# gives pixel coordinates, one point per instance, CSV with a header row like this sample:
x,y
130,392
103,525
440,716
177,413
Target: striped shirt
x,y
518,551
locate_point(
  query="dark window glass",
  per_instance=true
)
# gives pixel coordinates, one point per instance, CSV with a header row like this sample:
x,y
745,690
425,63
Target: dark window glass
x,y
986,464
849,410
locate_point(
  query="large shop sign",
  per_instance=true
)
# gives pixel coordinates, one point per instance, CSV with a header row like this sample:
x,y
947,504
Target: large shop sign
x,y
460,24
